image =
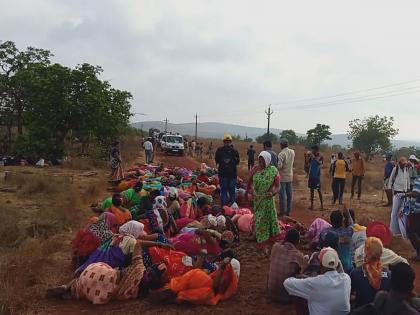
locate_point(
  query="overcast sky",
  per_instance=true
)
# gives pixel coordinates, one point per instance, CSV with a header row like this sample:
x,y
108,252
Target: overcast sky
x,y
227,60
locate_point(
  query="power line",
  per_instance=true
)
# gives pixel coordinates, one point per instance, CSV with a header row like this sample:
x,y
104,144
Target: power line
x,y
346,93
354,99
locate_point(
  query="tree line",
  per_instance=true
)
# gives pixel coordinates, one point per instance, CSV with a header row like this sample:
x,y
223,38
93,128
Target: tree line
x,y
46,107
370,135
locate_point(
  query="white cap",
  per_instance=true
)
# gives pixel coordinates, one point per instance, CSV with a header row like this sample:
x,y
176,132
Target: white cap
x,y
413,157
329,258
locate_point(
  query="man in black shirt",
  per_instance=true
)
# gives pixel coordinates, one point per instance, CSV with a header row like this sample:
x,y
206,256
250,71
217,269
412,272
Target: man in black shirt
x,y
251,157
227,159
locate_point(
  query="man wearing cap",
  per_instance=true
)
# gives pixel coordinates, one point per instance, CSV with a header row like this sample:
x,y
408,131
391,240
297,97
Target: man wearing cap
x,y
285,165
327,293
412,169
358,172
389,166
399,182
268,146
227,160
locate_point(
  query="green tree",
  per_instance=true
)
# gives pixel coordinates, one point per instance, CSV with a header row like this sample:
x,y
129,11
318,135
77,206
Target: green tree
x,y
268,137
290,135
372,134
318,134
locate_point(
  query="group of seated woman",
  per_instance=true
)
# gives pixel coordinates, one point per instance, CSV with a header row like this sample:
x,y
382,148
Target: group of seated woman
x,y
180,249
364,267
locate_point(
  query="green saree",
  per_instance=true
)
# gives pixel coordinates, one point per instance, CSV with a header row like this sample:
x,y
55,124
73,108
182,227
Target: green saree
x,y
266,224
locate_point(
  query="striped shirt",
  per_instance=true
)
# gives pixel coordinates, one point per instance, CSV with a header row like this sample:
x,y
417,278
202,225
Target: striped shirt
x,y
416,201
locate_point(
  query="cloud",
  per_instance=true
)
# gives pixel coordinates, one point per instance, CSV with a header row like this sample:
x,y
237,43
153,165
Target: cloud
x,y
227,60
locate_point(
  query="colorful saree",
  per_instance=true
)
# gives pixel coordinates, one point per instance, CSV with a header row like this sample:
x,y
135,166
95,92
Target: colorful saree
x,y
267,226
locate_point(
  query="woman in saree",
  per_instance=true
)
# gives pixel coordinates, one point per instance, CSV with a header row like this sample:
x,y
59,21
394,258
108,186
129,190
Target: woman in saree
x,y
100,283
87,240
117,252
117,173
266,183
193,242
198,287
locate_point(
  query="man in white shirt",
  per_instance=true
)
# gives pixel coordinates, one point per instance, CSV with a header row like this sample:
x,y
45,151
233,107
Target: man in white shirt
x,y
148,150
328,293
285,165
399,182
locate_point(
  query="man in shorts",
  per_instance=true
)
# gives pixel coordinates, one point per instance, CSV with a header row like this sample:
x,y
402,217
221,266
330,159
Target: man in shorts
x,y
316,161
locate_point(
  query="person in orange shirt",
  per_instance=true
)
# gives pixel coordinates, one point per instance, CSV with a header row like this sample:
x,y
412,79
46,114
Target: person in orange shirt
x,y
358,173
122,215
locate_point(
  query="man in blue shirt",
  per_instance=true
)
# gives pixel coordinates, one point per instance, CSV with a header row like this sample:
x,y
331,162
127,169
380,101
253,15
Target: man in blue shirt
x,y
316,160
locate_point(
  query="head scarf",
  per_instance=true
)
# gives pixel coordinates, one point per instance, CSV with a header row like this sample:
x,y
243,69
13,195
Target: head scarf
x,y
160,203
173,192
266,156
316,228
372,265
102,227
133,228
379,230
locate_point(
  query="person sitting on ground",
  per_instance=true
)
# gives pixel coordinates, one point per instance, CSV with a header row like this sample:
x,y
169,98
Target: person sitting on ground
x,y
122,215
388,257
173,205
315,230
87,240
118,251
100,283
198,287
326,294
399,300
345,234
359,230
286,261
370,278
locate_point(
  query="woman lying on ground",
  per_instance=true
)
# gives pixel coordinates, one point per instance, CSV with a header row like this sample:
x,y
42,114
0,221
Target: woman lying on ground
x,y
130,198
194,241
198,287
117,252
87,240
100,283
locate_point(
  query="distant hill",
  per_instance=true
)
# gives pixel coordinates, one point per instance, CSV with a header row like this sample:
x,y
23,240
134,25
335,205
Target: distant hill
x,y
217,130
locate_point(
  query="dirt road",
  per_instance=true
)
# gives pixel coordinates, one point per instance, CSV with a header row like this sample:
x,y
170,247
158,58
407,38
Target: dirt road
x,y
251,295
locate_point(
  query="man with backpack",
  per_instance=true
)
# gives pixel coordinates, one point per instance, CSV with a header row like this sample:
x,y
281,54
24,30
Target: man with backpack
x,y
227,160
399,182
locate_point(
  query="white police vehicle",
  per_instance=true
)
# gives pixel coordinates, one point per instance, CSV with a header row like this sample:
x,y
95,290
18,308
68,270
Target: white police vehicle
x,y
172,144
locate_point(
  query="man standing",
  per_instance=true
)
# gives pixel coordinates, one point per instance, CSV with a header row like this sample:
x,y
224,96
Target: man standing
x,y
414,218
286,160
267,145
412,170
286,261
316,161
148,150
389,166
251,157
227,160
328,293
358,173
338,172
399,182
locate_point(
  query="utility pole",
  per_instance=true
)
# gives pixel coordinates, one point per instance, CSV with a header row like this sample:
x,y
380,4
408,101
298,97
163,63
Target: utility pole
x,y
166,124
269,113
196,126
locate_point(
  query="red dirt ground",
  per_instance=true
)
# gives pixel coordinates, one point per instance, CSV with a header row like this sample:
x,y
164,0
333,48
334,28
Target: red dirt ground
x,y
251,295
